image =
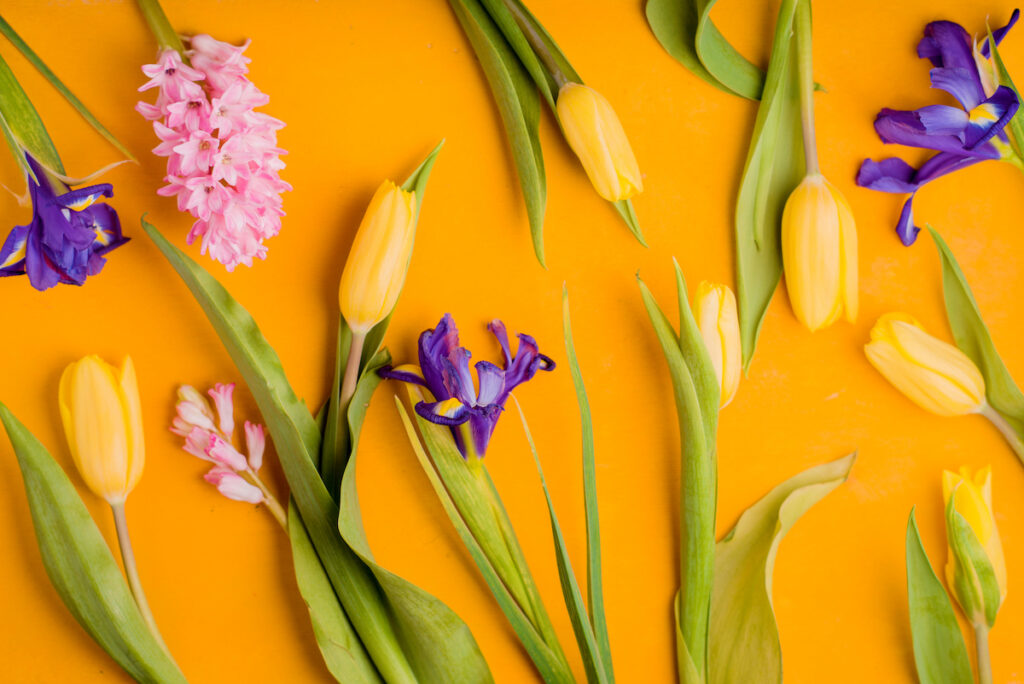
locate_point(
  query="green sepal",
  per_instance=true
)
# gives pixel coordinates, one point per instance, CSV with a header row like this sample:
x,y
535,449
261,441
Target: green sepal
x,y
745,643
80,565
774,167
23,122
1016,125
974,580
940,653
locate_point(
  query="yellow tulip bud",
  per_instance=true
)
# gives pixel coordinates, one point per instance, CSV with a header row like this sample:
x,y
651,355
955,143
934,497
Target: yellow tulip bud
x,y
715,311
99,405
819,253
972,498
933,374
376,266
595,134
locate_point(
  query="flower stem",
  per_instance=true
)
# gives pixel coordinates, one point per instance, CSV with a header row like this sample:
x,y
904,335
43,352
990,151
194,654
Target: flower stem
x,y
268,498
161,27
805,76
996,418
984,659
537,42
132,572
348,384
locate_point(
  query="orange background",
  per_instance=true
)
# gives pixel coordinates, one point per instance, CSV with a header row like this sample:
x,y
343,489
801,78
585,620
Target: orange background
x,y
366,90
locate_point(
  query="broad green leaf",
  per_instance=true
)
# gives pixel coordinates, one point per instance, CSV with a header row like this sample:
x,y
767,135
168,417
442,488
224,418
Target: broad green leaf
x,y
974,577
773,169
939,650
23,121
744,637
1016,125
81,566
343,653
973,338
698,486
595,583
550,664
48,74
519,106
674,23
297,438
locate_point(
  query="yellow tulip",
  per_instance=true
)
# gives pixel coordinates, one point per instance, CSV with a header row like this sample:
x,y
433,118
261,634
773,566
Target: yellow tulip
x,y
715,311
595,134
102,416
819,253
933,374
376,267
973,500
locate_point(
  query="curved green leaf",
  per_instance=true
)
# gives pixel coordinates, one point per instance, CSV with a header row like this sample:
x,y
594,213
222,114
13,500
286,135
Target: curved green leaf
x,y
23,121
81,566
674,23
974,576
939,649
744,637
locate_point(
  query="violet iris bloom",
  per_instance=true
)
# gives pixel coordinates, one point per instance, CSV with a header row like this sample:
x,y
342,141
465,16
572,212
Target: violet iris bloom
x,y
962,136
471,413
70,232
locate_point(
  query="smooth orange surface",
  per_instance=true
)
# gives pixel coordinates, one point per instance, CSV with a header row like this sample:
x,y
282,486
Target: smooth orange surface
x,y
367,89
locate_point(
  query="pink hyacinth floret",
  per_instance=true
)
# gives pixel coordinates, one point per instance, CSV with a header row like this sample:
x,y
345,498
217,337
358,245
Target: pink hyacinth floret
x,y
223,161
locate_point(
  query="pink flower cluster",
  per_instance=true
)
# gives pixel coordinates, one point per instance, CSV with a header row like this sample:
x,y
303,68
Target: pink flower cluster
x,y
210,437
223,160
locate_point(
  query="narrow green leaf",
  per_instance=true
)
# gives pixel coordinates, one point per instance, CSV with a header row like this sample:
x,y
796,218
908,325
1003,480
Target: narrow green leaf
x,y
974,576
518,104
628,214
595,583
698,361
1016,125
548,664
48,74
343,653
721,59
939,649
81,566
744,637
23,120
773,169
417,180
297,438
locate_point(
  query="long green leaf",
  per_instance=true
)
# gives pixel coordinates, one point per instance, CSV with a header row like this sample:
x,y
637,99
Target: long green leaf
x,y
773,169
595,583
1016,125
973,338
48,74
744,637
23,120
80,565
939,649
297,438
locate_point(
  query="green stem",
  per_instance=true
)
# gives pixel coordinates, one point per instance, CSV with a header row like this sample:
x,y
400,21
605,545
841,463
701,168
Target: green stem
x,y
132,572
161,27
805,76
348,384
268,498
1004,427
537,42
984,659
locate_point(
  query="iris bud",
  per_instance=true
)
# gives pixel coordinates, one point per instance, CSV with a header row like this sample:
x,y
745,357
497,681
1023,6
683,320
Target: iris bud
x,y
595,134
819,253
102,416
376,267
933,374
715,311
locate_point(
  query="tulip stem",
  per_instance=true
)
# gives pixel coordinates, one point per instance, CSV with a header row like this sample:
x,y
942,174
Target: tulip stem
x,y
984,659
537,42
161,27
348,384
805,77
131,571
1014,439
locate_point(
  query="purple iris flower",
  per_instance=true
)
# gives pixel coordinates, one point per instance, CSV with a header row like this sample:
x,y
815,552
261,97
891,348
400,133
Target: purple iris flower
x,y
444,370
70,232
962,136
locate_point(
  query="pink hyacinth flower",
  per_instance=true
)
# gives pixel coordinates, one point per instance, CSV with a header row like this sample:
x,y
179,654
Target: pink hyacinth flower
x,y
255,442
230,484
223,161
222,395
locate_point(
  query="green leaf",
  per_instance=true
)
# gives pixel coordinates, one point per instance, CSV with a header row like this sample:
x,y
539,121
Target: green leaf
x,y
48,74
339,644
297,438
939,649
1016,125
595,584
975,579
628,214
674,23
744,637
81,566
773,169
23,121
973,338
519,106
550,664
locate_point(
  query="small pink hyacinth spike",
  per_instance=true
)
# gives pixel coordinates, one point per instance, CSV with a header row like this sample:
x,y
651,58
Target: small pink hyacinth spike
x,y
223,161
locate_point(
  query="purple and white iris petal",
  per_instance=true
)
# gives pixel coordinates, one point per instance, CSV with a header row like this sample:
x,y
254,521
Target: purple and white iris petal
x,y
947,44
991,117
1000,33
444,412
905,228
962,83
